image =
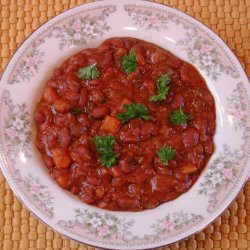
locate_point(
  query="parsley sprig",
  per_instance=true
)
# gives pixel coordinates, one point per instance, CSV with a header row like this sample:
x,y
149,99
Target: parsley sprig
x,y
162,89
76,111
129,63
133,110
88,73
178,117
104,146
166,153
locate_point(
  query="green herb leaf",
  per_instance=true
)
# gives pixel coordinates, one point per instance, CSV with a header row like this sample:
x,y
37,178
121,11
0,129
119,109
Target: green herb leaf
x,y
88,73
162,88
129,63
178,117
133,110
166,153
104,146
76,111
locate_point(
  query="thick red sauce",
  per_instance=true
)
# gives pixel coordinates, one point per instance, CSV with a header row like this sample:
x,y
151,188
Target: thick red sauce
x,y
139,180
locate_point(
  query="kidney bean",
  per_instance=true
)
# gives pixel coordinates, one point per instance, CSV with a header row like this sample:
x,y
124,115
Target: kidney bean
x,y
128,202
83,97
96,96
107,60
61,106
84,120
81,153
157,56
76,130
161,183
149,128
209,147
61,157
63,181
75,190
140,59
57,72
173,62
95,83
92,180
64,120
116,171
48,161
150,86
43,114
211,127
87,199
190,137
64,137
125,166
99,192
50,94
183,187
100,112
117,182
178,101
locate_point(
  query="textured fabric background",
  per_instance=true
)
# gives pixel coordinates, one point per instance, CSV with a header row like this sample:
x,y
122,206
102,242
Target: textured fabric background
x,y
230,19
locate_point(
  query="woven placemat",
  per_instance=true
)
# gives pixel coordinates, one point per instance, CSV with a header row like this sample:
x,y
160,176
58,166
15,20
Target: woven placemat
x,y
230,19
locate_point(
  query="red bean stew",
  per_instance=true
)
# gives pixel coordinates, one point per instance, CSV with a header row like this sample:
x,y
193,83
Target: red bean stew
x,y
125,126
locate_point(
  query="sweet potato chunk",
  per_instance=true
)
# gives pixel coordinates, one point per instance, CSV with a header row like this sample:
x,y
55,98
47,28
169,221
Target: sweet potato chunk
x,y
61,157
111,124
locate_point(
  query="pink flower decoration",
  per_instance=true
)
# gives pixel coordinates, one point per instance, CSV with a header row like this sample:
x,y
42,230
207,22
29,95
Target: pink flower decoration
x,y
152,19
31,62
206,48
227,173
11,133
196,53
103,231
238,114
36,189
22,137
168,224
77,25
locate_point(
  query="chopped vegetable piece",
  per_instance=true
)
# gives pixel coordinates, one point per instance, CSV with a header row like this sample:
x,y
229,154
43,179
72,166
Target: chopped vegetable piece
x,y
129,63
88,73
61,157
178,117
126,101
76,111
188,169
104,146
162,89
134,110
111,124
166,153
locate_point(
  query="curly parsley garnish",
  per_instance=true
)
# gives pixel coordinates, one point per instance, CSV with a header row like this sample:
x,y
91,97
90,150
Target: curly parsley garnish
x,y
76,111
88,73
162,88
104,146
166,153
133,110
129,63
178,117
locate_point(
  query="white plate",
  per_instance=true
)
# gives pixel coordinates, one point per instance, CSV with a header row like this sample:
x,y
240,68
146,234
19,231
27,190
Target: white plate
x,y
87,26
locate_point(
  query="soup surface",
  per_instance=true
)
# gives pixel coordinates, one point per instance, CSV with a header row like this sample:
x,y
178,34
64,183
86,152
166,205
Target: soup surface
x,y
125,126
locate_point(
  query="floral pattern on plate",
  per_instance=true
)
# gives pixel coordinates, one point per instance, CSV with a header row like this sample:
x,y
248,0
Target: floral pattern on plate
x,y
105,226
81,29
147,19
224,170
202,52
237,108
38,193
175,222
28,66
221,180
17,131
200,48
17,139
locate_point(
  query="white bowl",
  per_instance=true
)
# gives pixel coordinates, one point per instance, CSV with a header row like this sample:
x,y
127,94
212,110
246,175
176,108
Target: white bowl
x,y
87,26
